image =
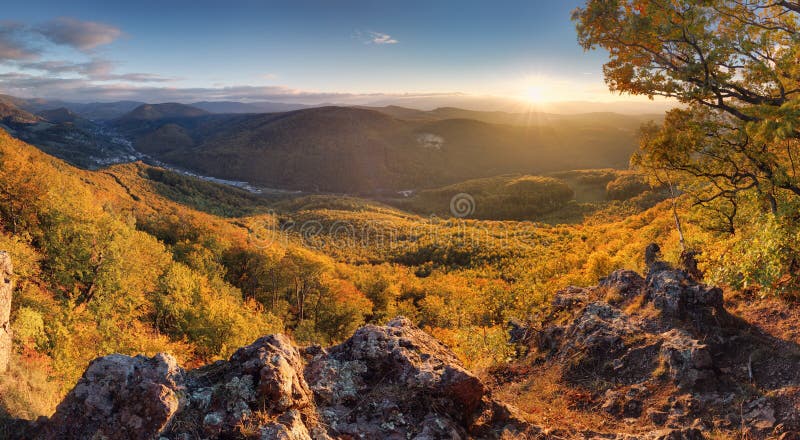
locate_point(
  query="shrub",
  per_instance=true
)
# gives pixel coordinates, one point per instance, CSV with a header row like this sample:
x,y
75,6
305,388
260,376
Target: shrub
x,y
626,186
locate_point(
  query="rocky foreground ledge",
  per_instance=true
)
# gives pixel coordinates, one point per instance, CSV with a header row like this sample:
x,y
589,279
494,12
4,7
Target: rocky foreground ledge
x,y
660,354
385,382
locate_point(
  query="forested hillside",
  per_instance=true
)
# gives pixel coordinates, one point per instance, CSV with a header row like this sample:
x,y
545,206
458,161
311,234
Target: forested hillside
x,y
124,260
134,259
379,151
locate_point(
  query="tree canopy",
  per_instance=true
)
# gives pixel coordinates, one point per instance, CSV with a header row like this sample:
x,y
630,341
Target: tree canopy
x,y
734,64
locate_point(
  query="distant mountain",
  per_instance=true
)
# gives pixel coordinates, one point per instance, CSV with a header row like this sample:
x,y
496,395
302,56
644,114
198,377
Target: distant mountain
x,y
10,113
248,107
64,134
362,150
512,118
96,111
630,106
60,116
359,150
150,112
103,111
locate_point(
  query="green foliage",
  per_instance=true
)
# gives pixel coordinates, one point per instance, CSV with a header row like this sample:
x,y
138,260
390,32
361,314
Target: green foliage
x,y
503,197
208,313
762,256
28,325
626,186
731,151
205,196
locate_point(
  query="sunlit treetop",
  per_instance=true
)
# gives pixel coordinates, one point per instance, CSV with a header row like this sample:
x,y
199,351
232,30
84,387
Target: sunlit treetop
x,y
737,56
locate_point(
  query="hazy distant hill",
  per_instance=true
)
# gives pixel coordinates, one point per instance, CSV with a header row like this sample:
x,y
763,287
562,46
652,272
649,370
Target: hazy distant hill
x,y
149,112
514,118
60,116
358,150
65,134
94,110
11,114
247,107
101,111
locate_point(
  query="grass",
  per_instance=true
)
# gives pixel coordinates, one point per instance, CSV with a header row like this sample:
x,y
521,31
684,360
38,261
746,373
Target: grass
x,y
546,401
27,390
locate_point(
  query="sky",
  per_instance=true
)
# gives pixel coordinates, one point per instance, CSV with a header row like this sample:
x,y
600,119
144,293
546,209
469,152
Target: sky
x,y
306,51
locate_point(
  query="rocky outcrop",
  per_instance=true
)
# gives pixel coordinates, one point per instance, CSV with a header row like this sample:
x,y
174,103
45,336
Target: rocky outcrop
x,y
658,356
260,390
677,295
392,381
625,282
6,289
397,381
119,397
663,350
687,361
600,338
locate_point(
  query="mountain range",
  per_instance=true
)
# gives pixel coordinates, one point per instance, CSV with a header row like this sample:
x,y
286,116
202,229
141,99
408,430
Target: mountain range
x,y
357,150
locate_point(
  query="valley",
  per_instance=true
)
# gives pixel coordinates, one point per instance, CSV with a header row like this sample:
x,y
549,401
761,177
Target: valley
x,y
324,150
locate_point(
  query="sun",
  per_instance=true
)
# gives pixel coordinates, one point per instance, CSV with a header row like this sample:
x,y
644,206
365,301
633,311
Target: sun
x,y
534,94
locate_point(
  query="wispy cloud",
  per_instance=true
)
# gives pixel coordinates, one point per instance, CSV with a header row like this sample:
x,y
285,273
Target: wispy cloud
x,y
15,42
370,37
81,35
96,69
24,47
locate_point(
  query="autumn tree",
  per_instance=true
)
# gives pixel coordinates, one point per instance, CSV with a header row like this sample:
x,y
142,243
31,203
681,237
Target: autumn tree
x,y
301,272
734,66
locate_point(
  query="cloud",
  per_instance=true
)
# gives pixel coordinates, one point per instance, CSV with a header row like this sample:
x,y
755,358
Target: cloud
x,y
371,37
97,69
23,47
14,43
81,35
83,90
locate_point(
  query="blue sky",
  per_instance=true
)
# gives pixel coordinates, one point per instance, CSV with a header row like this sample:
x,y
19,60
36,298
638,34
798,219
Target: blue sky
x,y
307,50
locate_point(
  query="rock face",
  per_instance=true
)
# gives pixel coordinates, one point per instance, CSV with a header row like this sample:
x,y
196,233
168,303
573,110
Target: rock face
x,y
260,391
677,295
6,289
385,382
600,338
399,382
119,397
663,350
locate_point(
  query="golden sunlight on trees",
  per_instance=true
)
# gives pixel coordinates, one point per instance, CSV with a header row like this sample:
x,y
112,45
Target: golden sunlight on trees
x,y
733,148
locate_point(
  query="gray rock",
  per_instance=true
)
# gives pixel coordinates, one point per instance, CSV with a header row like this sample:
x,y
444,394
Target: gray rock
x,y
688,361
6,290
119,397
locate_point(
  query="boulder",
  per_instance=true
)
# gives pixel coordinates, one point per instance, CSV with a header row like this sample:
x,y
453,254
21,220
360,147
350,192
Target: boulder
x,y
260,388
593,339
392,381
119,397
623,404
569,298
688,362
398,381
678,295
626,282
